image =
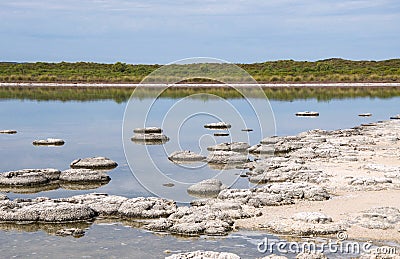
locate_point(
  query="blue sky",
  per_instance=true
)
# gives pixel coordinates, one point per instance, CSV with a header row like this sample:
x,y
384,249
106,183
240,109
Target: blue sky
x,y
158,31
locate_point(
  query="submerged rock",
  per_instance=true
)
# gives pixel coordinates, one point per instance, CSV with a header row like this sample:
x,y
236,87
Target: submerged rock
x,y
49,142
185,155
94,163
204,254
217,125
225,157
234,146
8,131
148,130
84,175
206,188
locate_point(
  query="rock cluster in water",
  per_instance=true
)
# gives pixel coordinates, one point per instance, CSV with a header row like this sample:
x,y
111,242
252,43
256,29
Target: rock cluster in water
x,y
149,136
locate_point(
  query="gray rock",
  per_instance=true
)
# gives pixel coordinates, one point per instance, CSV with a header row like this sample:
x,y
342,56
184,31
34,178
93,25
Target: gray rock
x,y
206,188
43,210
185,155
312,217
217,125
204,255
307,114
234,146
28,177
147,208
262,149
270,140
150,138
311,255
379,218
365,114
221,134
101,203
8,131
75,232
94,163
148,130
84,175
275,194
49,142
225,157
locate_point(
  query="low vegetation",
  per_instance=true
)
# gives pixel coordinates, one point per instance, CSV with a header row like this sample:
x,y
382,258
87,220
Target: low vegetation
x,y
329,70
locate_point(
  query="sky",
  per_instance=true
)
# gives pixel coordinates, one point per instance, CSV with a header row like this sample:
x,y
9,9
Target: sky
x,y
159,31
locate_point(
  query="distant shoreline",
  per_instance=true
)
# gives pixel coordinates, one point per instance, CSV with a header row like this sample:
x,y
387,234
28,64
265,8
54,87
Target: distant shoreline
x,y
193,85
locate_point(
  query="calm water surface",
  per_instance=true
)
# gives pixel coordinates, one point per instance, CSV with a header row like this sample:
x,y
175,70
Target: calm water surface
x,y
94,128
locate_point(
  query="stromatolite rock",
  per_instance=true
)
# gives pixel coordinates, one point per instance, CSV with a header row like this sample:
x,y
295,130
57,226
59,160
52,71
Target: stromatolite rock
x,y
49,142
43,210
94,163
75,232
206,188
217,125
305,223
225,157
233,146
84,175
148,130
8,131
150,138
102,203
29,177
276,194
147,208
379,218
204,254
185,155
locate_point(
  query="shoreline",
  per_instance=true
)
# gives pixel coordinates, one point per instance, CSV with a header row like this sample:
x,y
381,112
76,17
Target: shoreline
x,y
194,85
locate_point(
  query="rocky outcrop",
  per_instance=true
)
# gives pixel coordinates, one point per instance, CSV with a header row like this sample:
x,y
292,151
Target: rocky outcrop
x,y
84,175
94,163
206,188
29,177
150,138
305,224
204,254
233,146
379,218
225,157
49,142
275,194
185,156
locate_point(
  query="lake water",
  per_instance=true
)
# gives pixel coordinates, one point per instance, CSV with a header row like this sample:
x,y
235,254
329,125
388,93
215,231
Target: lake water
x,y
94,128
